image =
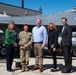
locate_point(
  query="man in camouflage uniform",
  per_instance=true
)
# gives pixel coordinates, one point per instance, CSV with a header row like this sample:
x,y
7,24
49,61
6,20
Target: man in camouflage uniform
x,y
25,41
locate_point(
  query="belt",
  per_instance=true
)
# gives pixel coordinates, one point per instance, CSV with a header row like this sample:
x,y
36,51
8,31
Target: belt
x,y
38,42
21,45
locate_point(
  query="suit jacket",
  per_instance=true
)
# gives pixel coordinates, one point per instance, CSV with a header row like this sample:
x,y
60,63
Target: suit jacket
x,y
52,38
66,36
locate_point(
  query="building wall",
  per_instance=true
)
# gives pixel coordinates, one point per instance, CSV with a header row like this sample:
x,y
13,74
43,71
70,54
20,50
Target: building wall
x,y
17,11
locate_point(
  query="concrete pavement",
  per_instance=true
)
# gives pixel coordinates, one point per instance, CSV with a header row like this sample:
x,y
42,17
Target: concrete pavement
x,y
47,66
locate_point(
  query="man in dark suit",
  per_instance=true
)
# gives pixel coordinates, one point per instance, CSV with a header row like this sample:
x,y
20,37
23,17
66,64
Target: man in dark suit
x,y
66,44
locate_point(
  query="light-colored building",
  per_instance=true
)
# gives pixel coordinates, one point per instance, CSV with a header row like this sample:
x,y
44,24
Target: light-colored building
x,y
17,11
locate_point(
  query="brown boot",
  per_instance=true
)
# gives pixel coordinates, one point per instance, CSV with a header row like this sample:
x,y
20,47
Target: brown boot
x,y
23,68
26,68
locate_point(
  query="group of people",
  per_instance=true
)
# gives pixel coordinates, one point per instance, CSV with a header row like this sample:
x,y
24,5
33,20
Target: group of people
x,y
38,37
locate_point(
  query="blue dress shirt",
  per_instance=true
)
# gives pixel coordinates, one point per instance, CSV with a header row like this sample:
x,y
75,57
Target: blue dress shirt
x,y
39,34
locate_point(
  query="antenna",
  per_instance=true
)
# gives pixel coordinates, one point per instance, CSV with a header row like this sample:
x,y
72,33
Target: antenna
x,y
40,8
75,7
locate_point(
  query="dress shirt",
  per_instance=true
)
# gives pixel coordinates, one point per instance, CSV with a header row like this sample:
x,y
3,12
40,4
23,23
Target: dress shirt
x,y
63,29
39,34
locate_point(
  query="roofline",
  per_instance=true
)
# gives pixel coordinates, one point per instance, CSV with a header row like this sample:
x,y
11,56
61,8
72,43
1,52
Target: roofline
x,y
20,7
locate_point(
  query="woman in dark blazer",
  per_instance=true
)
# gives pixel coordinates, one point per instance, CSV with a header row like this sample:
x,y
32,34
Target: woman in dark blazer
x,y
52,43
10,44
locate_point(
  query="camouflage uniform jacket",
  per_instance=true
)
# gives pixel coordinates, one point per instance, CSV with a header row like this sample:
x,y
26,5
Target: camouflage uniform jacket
x,y
25,38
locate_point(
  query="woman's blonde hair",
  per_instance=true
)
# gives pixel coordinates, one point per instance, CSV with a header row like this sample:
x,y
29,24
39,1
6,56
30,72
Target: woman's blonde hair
x,y
53,26
11,22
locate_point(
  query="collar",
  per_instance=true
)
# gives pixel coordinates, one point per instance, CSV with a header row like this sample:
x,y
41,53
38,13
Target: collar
x,y
38,26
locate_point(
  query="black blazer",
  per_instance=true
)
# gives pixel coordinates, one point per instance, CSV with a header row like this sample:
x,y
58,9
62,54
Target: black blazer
x,y
66,36
52,38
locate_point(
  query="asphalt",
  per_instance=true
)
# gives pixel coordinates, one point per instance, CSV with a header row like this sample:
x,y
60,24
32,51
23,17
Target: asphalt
x,y
47,66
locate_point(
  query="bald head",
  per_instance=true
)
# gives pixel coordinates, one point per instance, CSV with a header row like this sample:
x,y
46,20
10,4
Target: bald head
x,y
38,22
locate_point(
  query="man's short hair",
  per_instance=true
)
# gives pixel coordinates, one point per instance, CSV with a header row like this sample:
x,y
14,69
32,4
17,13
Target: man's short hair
x,y
39,19
64,18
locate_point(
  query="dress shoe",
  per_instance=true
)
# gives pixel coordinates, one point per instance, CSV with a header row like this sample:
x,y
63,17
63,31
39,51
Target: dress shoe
x,y
54,70
11,70
65,71
35,68
41,70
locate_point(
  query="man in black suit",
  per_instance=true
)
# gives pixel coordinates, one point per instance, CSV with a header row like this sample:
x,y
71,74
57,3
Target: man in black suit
x,y
66,44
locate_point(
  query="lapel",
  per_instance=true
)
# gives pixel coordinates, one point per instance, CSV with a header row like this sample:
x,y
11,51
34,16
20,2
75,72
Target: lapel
x,y
64,29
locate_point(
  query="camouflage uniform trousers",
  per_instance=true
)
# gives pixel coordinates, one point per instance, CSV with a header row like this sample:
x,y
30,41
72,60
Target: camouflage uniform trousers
x,y
25,55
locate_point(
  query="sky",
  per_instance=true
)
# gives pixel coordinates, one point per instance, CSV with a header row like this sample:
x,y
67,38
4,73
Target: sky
x,y
48,6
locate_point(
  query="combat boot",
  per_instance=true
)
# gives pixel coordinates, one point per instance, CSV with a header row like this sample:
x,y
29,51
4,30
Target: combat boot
x,y
23,68
26,68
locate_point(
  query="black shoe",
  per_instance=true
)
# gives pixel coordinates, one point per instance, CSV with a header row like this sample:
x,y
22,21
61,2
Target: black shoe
x,y
11,70
65,71
54,70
